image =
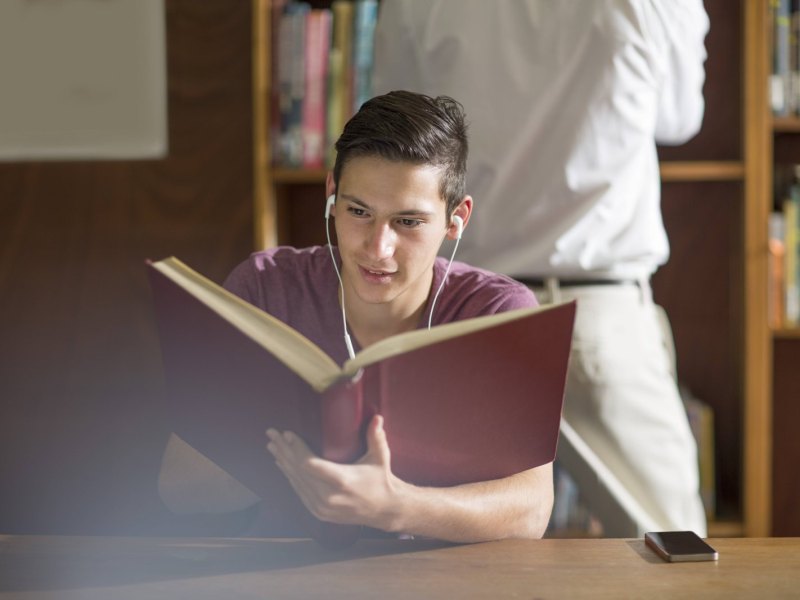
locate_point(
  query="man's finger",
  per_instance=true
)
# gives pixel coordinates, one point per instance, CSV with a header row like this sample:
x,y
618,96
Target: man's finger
x,y
377,445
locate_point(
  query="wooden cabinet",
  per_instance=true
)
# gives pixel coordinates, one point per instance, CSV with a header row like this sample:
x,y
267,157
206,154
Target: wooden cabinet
x,y
716,202
777,142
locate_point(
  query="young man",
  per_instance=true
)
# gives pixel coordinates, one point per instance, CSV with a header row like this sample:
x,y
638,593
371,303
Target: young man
x,y
398,185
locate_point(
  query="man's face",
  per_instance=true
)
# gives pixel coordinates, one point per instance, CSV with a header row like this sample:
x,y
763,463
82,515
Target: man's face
x,y
390,222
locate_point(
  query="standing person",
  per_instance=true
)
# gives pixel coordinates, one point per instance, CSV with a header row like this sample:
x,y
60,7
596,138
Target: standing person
x,y
568,99
397,190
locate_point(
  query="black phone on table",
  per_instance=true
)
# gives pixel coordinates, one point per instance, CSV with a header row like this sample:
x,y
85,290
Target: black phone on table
x,y
680,546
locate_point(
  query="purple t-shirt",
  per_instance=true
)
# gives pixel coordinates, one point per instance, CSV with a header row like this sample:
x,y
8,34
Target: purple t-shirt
x,y
299,287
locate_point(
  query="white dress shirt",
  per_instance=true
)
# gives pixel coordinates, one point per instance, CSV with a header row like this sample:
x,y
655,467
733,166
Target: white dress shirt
x,y
565,100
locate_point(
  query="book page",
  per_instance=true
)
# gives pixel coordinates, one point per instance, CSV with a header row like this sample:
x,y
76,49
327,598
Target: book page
x,y
288,345
404,342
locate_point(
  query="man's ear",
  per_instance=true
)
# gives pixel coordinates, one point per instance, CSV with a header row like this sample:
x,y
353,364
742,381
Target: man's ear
x,y
463,211
330,190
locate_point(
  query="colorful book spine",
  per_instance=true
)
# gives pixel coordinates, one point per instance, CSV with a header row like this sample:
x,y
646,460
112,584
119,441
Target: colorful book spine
x,y
366,17
292,82
276,17
340,73
794,57
791,215
781,48
777,257
317,44
334,111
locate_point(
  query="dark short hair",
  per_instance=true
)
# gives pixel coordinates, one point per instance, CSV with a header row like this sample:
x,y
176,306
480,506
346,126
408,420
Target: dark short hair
x,y
410,127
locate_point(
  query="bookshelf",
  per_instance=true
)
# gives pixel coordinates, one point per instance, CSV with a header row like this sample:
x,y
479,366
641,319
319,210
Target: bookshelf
x,y
734,176
776,141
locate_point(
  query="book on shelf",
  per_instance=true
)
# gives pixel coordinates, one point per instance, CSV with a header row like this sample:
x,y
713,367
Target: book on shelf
x,y
473,400
784,248
291,63
791,214
784,80
365,20
780,75
275,17
794,58
346,48
317,45
775,280
341,74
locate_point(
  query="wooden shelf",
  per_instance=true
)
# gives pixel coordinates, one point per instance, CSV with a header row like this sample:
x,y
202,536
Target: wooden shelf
x,y
786,333
786,124
281,175
702,171
670,171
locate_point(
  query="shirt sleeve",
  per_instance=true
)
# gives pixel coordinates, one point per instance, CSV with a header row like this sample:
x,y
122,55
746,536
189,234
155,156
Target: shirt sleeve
x,y
242,282
520,297
677,30
501,295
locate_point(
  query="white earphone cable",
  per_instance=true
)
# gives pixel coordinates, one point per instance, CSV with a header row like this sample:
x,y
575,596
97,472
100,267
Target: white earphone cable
x,y
347,341
444,280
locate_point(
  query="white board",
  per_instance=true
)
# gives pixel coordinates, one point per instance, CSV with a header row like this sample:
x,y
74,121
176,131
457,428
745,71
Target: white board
x,y
82,79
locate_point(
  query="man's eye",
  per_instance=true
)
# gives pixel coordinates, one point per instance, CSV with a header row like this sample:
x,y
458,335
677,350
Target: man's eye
x,y
410,222
358,212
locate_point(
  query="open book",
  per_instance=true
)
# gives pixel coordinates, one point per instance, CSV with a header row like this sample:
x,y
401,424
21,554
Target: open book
x,y
473,400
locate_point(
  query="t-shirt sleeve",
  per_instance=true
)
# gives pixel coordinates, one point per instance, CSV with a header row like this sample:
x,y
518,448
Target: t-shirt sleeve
x,y
515,296
481,293
242,281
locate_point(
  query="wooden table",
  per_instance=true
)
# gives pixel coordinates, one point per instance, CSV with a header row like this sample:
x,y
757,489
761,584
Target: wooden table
x,y
152,568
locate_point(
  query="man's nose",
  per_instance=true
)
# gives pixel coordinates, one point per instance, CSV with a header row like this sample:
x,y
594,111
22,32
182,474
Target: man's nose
x,y
381,241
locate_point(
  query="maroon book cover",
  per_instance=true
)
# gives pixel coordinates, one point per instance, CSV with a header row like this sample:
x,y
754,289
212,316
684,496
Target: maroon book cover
x,y
475,407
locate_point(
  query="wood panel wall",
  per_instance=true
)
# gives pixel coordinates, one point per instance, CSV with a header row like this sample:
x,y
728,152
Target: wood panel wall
x,y
81,421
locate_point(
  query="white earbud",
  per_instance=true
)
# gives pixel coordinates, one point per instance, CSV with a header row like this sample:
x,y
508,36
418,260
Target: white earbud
x,y
459,222
331,201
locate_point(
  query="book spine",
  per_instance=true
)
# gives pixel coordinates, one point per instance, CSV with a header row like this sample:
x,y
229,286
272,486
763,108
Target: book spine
x,y
280,153
333,105
294,55
366,17
780,77
276,18
776,284
317,42
791,213
340,59
794,56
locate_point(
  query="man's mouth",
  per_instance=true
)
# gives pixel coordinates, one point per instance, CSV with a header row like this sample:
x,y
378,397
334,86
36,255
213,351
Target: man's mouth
x,y
376,274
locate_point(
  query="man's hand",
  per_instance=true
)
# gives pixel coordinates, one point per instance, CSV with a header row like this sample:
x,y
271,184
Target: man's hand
x,y
364,493
368,493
